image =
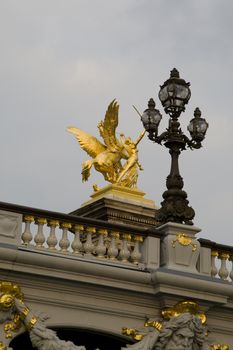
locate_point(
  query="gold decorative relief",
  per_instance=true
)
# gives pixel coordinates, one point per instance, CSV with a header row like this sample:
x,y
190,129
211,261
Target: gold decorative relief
x,y
8,292
184,240
220,347
2,346
155,324
133,333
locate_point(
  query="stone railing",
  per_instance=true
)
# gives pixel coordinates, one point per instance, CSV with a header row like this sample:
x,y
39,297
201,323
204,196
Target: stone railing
x,y
221,259
86,238
67,235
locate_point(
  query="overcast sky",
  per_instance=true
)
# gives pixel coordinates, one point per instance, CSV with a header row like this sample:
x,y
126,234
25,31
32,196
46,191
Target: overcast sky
x,y
63,61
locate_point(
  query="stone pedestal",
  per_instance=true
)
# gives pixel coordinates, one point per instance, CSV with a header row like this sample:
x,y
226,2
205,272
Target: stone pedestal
x,y
179,247
120,205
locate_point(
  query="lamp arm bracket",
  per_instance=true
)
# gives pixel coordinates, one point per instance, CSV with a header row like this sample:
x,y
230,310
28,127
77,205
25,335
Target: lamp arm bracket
x,y
191,143
161,138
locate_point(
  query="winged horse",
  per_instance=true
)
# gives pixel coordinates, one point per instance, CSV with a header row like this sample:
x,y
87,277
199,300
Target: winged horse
x,y
106,157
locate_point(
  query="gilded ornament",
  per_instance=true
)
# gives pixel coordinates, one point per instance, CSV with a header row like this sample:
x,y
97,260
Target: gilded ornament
x,y
8,292
220,347
79,228
12,326
107,157
24,313
223,256
2,346
28,218
214,253
138,335
184,240
138,238
115,234
155,324
102,232
91,230
133,333
126,236
65,225
31,323
41,221
53,223
182,307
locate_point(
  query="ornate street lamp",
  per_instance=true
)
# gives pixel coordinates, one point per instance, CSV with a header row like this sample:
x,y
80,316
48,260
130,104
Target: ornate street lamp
x,y
174,94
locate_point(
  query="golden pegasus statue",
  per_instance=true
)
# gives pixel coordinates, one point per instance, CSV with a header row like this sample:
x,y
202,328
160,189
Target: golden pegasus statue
x,y
107,157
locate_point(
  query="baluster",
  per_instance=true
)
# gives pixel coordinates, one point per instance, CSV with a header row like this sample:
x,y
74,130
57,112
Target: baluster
x,y
77,244
113,250
52,239
27,235
88,245
101,248
64,242
124,252
223,272
214,270
40,237
136,255
231,273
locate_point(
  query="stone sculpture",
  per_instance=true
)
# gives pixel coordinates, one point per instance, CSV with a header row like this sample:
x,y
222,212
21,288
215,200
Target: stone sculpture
x,y
183,331
42,338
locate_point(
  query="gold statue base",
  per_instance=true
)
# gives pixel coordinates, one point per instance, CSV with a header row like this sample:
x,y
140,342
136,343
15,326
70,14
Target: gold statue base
x,y
120,204
121,192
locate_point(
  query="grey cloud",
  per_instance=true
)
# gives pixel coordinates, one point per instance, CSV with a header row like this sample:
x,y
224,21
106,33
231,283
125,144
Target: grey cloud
x,y
62,62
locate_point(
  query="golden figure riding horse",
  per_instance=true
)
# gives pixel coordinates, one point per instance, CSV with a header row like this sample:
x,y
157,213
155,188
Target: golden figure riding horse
x,y
107,157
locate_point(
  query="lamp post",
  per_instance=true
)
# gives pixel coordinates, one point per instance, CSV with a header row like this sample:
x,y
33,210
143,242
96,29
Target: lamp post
x,y
174,94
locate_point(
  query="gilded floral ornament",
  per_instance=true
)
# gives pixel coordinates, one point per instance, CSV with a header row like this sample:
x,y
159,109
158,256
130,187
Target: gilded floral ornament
x,y
184,240
107,157
8,292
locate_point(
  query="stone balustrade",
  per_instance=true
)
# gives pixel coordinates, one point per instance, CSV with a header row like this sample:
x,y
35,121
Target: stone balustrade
x,y
69,235
81,240
82,237
221,259
224,267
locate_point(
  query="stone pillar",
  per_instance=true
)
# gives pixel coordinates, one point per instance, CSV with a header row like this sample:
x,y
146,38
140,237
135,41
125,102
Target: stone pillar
x,y
10,227
151,253
179,247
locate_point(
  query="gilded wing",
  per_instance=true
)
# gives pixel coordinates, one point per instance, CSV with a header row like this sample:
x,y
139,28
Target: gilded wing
x,y
108,127
88,143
